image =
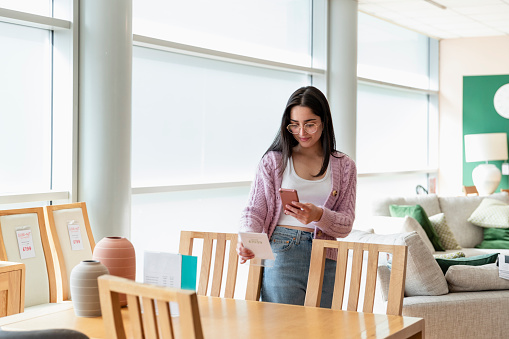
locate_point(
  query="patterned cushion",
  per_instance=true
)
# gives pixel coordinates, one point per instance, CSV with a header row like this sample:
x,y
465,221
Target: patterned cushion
x,y
475,278
445,234
491,213
452,255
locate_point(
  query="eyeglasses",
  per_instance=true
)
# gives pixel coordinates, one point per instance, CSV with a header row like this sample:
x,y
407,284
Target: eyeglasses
x,y
310,128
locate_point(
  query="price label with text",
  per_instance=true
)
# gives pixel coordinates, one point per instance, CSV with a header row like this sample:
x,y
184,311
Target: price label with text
x,y
25,243
75,237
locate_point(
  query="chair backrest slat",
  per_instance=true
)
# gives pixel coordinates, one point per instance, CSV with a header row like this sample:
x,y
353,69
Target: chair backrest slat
x,y
231,275
356,276
149,318
154,326
340,280
217,275
357,262
206,260
164,318
369,290
135,316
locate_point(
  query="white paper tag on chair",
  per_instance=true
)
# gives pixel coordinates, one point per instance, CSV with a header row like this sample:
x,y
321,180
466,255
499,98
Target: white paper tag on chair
x,y
25,242
75,236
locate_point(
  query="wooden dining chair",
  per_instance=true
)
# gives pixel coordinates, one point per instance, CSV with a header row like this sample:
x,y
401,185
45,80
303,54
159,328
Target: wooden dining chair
x,y
254,278
397,279
144,319
470,190
71,239
23,224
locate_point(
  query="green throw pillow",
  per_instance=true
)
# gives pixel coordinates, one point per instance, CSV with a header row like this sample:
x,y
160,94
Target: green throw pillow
x,y
491,213
418,213
497,238
478,260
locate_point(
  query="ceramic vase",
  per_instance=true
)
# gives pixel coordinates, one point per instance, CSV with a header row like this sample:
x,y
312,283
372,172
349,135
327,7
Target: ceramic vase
x,y
117,254
85,289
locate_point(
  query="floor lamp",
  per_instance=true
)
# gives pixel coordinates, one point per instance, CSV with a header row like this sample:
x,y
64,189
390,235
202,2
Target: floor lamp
x,y
486,147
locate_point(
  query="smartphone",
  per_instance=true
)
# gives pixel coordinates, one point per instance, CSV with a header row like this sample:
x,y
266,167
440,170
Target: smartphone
x,y
287,196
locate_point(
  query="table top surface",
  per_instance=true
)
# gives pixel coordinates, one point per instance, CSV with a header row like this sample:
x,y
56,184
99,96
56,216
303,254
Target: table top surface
x,y
233,318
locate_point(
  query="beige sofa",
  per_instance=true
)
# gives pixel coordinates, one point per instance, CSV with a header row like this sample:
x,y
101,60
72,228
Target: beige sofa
x,y
472,314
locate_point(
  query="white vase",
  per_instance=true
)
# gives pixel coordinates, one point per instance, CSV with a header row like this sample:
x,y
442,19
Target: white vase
x,y
486,178
85,289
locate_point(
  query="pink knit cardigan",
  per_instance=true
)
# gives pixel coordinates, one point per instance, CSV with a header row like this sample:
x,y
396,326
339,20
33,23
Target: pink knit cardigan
x,y
264,205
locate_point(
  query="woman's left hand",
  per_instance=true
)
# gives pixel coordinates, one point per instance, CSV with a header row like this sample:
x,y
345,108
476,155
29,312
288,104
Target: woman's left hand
x,y
304,212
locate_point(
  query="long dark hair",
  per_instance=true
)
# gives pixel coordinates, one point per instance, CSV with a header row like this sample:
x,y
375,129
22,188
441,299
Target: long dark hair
x,y
284,142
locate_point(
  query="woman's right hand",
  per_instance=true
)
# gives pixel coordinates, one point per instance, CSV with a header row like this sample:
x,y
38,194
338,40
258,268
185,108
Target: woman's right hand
x,y
244,253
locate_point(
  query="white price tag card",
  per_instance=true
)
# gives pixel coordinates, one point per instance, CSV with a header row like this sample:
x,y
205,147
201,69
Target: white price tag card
x,y
258,243
25,243
75,236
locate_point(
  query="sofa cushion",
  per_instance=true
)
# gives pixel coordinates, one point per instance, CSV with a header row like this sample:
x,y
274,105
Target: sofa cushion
x,y
447,238
477,260
496,238
479,315
418,213
423,275
458,209
491,213
475,278
380,206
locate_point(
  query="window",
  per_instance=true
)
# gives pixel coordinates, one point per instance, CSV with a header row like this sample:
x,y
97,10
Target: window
x,y
197,120
202,121
231,26
36,108
397,120
25,114
397,114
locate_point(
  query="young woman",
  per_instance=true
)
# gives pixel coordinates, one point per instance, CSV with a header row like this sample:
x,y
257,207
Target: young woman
x,y
302,157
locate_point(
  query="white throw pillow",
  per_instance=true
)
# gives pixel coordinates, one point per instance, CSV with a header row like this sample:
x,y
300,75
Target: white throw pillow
x,y
391,225
423,275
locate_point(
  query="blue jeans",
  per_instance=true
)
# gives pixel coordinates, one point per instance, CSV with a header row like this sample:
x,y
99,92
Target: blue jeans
x,y
285,282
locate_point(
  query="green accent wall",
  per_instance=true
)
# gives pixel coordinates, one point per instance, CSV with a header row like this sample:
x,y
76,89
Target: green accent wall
x,y
480,116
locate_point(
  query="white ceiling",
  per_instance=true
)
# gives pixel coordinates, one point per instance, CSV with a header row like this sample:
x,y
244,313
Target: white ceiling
x,y
459,18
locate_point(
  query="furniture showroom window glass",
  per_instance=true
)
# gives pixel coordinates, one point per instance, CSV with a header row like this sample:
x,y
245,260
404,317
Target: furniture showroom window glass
x,y
36,108
203,121
400,122
25,109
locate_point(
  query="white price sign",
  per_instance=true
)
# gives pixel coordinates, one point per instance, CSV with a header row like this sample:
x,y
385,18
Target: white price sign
x,y
75,236
25,243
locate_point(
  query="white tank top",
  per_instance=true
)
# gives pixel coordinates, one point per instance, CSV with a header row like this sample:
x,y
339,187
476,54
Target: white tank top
x,y
313,191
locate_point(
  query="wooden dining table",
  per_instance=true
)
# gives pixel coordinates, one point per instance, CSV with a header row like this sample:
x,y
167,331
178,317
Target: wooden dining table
x,y
233,318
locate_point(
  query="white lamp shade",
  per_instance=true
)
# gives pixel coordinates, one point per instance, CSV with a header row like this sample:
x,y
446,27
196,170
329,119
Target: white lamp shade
x,y
485,147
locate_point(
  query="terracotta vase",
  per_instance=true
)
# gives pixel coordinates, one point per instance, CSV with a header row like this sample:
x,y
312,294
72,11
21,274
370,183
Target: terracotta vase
x,y
117,254
85,289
